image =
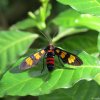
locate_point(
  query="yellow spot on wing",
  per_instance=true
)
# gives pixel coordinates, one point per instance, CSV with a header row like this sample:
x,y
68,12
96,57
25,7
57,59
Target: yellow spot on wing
x,y
42,51
57,50
37,56
71,59
29,61
63,54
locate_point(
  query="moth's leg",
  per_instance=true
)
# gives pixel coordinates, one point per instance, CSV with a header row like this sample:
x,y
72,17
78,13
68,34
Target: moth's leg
x,y
62,65
60,62
43,63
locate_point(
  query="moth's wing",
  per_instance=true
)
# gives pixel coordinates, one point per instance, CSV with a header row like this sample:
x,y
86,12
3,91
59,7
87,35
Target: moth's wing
x,y
32,60
67,57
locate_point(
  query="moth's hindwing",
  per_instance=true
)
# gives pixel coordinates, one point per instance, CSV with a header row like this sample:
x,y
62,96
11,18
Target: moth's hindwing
x,y
68,57
32,60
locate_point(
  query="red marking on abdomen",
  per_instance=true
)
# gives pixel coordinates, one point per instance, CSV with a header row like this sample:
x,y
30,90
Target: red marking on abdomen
x,y
50,62
50,59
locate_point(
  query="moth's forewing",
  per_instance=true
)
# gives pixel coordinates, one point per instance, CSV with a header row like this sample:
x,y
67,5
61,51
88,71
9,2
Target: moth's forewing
x,y
67,57
32,60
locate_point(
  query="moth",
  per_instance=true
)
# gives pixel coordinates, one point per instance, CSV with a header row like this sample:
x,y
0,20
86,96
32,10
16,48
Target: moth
x,y
51,51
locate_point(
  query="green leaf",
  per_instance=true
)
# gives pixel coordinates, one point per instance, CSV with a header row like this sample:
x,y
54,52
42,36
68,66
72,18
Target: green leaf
x,y
99,42
66,18
24,24
71,18
89,21
84,6
15,82
83,90
4,4
97,78
83,41
13,44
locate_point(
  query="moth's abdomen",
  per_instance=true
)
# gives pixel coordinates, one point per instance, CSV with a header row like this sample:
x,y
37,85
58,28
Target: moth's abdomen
x,y
50,60
50,63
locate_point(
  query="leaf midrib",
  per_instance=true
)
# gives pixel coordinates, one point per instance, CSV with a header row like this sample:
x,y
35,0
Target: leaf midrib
x,y
18,84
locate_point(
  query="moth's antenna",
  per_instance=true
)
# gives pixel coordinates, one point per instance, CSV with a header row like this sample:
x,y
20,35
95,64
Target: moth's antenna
x,y
54,35
49,40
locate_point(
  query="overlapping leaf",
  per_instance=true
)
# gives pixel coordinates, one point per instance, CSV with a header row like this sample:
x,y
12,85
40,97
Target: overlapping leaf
x,y
25,83
84,6
83,90
71,18
12,44
84,41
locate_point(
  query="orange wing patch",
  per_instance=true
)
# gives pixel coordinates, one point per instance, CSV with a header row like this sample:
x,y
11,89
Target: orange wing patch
x,y
71,59
32,60
63,54
29,61
42,51
37,56
67,57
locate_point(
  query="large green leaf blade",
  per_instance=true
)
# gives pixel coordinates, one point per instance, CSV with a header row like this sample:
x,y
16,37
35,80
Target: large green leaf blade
x,y
71,18
84,6
68,18
82,41
13,44
25,83
76,41
83,90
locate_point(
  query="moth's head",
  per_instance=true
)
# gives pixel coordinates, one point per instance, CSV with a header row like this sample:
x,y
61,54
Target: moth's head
x,y
50,47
